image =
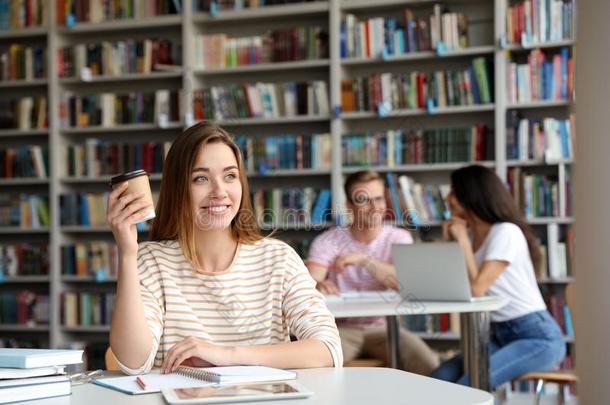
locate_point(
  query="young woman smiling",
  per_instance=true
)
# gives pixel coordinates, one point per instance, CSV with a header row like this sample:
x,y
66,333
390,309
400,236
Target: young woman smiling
x,y
208,289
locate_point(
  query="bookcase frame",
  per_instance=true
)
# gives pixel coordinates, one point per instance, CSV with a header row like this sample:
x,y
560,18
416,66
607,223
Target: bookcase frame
x,y
185,26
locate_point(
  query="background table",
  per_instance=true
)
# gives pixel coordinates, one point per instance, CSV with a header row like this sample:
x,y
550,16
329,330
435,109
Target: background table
x,y
474,326
347,386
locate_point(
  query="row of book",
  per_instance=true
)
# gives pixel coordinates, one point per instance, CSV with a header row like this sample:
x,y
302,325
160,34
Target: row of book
x,y
261,100
285,152
543,77
431,324
292,206
557,306
24,259
225,5
24,161
413,203
24,307
385,92
546,139
24,113
414,146
87,209
110,109
24,211
97,157
538,194
116,58
16,14
97,259
441,31
87,309
558,255
533,21
96,11
20,62
215,51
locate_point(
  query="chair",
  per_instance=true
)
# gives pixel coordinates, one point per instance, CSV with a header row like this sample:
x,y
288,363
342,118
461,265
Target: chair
x,y
564,378
111,364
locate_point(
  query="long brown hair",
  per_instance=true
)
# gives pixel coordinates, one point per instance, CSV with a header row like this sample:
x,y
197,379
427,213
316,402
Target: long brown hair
x,y
174,216
481,192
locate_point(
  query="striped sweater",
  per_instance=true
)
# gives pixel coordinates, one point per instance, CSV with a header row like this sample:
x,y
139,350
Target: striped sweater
x,y
264,296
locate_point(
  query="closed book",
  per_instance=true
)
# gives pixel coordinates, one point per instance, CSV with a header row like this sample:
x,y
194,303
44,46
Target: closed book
x,y
31,358
26,389
11,373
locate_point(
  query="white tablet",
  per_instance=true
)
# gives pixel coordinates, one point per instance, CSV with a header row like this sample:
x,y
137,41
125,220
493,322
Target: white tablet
x,y
217,394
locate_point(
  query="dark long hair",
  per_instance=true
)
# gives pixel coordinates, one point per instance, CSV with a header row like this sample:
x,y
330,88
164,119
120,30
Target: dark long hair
x,y
482,193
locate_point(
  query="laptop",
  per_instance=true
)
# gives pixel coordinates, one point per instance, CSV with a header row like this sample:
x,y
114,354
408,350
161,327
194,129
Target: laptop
x,y
432,272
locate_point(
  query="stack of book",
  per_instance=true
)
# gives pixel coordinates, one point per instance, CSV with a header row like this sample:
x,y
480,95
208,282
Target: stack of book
x,y
27,374
371,37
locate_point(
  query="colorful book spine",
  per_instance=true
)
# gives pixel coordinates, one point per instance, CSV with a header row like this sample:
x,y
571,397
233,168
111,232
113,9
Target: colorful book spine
x,y
86,11
539,21
387,92
24,211
217,51
24,259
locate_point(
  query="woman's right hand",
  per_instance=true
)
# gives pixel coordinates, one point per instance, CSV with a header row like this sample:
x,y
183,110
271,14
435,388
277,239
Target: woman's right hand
x,y
123,212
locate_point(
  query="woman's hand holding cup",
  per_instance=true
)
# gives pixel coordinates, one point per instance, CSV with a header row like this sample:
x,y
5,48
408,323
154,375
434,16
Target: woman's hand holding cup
x,y
125,210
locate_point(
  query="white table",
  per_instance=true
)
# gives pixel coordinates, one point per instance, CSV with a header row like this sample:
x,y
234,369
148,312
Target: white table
x,y
474,325
348,386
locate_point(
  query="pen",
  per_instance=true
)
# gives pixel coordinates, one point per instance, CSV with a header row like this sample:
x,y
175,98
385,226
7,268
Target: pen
x,y
140,383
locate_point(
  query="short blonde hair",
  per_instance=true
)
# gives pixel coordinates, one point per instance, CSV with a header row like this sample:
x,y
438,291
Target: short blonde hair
x,y
362,176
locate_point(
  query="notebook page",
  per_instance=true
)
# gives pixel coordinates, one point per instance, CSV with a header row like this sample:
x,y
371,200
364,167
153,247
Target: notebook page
x,y
244,374
154,381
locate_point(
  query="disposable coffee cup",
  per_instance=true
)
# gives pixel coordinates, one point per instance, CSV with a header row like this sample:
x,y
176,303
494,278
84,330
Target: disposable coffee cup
x,y
137,182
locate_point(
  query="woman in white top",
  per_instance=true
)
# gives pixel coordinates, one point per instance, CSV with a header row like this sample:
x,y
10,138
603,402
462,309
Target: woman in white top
x,y
208,289
500,258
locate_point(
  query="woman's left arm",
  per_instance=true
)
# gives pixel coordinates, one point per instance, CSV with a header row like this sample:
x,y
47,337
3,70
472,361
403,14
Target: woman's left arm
x,y
483,278
480,279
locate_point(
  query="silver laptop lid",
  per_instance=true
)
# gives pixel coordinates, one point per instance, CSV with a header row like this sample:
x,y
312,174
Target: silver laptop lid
x,y
431,271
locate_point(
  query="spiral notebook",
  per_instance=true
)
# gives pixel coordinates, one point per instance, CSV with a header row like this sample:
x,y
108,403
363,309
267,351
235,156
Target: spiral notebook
x,y
190,377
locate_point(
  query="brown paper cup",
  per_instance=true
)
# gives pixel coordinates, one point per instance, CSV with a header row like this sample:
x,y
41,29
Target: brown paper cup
x,y
137,181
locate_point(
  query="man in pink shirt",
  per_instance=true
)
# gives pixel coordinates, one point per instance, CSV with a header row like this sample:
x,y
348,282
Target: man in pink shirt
x,y
358,258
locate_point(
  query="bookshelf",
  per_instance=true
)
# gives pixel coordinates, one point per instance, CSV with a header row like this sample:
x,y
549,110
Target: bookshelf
x,y
486,39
